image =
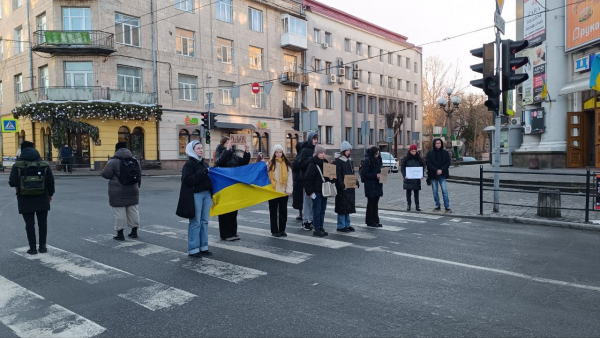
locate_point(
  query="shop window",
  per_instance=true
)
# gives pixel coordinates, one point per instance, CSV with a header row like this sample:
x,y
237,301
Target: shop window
x,y
184,139
195,135
290,144
256,143
264,144
137,143
124,135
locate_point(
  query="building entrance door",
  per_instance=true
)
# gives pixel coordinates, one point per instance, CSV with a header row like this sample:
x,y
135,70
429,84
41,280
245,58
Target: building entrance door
x,y
575,140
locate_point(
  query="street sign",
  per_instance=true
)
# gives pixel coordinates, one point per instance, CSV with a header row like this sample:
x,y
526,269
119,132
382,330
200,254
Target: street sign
x,y
255,88
499,5
499,22
209,96
10,126
389,135
209,106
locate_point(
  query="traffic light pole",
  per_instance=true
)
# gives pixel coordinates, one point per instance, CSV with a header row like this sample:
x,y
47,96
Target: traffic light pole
x,y
497,133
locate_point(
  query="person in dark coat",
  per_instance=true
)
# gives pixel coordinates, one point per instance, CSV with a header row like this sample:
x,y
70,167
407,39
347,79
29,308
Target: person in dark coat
x,y
301,163
370,175
31,206
66,154
438,161
345,200
226,158
298,193
411,160
124,199
313,186
195,199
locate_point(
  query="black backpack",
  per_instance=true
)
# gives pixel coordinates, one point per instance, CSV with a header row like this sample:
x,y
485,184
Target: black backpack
x,y
32,177
130,172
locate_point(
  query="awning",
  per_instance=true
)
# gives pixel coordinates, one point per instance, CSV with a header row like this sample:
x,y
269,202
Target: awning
x,y
575,86
236,126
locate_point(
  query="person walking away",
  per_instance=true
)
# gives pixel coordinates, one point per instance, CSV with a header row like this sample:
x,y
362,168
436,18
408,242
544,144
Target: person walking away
x,y
34,183
412,160
370,175
298,193
280,175
438,161
226,158
66,154
313,186
345,200
125,178
303,161
195,199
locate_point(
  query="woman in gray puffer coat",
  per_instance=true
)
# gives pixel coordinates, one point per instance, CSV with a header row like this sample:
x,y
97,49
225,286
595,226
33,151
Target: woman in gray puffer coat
x,y
123,199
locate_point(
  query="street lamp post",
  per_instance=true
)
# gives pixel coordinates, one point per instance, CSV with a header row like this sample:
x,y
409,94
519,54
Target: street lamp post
x,y
448,108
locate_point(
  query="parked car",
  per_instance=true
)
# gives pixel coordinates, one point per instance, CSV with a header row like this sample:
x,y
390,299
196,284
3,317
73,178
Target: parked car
x,y
389,162
468,159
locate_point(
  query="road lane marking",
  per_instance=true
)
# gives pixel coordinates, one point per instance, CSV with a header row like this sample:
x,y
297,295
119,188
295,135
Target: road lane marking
x,y
157,296
28,314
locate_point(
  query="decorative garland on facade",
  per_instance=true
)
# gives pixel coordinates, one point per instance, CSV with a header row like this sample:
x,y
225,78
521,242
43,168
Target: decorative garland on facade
x,y
60,129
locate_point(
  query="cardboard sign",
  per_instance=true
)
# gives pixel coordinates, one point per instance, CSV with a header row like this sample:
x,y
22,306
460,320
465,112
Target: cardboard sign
x,y
414,173
384,175
350,181
329,170
238,139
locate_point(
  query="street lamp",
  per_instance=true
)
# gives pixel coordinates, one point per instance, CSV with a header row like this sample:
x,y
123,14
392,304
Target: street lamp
x,y
448,108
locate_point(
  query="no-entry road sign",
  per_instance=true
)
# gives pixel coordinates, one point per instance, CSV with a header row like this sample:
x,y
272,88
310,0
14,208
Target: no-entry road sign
x,y
255,88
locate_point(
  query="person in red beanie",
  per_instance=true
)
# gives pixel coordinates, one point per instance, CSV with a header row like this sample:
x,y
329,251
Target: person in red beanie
x,y
412,160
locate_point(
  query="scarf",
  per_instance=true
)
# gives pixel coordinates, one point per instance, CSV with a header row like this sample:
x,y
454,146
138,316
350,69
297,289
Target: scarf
x,y
283,173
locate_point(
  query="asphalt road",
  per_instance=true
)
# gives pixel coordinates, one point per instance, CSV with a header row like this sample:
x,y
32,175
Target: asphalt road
x,y
418,276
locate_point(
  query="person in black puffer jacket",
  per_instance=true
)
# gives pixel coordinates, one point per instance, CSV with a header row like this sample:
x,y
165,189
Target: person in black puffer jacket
x,y
227,158
298,193
345,200
370,174
438,162
412,160
301,163
313,186
195,199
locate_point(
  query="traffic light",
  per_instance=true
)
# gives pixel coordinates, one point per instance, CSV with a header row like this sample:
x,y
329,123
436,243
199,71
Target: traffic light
x,y
486,67
207,137
213,121
491,88
510,63
205,120
296,125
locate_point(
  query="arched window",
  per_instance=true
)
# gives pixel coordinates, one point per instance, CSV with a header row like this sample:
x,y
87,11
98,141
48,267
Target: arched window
x,y
290,144
184,139
124,135
195,135
48,144
256,143
137,143
264,144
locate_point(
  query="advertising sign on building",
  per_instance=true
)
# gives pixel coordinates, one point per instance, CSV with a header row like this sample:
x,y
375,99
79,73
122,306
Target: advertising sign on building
x,y
536,68
534,121
583,23
534,24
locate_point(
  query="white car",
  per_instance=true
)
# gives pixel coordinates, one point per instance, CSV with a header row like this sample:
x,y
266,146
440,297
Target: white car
x,y
389,161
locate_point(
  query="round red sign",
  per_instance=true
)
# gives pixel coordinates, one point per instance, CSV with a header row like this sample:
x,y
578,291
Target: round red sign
x,y
255,88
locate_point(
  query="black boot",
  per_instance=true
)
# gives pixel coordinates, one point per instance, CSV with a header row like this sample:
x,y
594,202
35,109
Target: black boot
x,y
408,207
119,236
417,203
133,233
32,251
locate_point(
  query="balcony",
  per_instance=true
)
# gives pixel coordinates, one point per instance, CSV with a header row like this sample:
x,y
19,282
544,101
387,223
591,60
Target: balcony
x,y
293,79
288,111
74,42
294,33
84,94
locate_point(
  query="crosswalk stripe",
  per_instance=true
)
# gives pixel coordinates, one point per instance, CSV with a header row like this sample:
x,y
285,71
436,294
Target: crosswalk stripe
x,y
28,314
404,214
93,272
255,249
207,266
406,217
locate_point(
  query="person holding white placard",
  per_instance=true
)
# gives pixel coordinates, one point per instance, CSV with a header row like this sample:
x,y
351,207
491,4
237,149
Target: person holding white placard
x,y
411,182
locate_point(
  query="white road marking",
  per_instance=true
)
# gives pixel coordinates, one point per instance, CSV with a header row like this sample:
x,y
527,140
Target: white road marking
x,y
28,314
455,220
255,249
157,296
207,266
404,214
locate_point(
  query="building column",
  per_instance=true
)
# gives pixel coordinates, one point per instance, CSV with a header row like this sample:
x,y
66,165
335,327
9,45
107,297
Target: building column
x,y
354,128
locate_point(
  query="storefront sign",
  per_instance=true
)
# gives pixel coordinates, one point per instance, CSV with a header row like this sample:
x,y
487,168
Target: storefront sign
x,y
534,121
583,23
534,23
191,121
238,139
261,125
582,64
536,68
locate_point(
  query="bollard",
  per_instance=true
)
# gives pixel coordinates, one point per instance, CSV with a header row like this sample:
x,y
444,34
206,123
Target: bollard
x,y
548,203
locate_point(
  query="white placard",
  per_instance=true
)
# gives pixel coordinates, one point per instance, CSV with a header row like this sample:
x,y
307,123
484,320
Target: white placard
x,y
414,173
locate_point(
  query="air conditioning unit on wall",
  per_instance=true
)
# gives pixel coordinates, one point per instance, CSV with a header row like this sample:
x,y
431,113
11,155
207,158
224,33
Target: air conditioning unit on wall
x,y
341,71
355,66
325,45
515,120
355,84
332,78
356,74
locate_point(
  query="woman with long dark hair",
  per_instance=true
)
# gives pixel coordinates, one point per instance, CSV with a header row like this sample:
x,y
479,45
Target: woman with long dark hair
x,y
280,175
370,175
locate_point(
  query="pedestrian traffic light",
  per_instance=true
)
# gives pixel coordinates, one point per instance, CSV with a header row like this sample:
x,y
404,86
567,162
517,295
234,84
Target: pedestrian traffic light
x,y
510,63
486,67
296,125
205,120
491,88
213,121
207,137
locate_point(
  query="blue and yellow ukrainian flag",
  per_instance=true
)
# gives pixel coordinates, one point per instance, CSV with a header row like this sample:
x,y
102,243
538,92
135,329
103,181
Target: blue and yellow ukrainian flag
x,y
240,187
595,74
544,93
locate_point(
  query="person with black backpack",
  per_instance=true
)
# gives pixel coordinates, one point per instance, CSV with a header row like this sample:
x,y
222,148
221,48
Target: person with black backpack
x,y
125,175
34,182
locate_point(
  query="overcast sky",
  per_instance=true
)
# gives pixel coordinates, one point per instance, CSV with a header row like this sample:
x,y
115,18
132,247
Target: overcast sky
x,y
424,21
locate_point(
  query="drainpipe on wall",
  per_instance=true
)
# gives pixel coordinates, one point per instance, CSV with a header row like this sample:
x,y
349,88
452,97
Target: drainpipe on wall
x,y
342,95
30,50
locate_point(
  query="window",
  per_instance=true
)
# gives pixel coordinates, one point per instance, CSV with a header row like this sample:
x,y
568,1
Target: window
x,y
188,87
224,10
225,93
320,132
17,4
361,103
360,137
358,48
348,73
76,19
260,99
348,134
415,89
43,77
328,38
255,20
328,99
371,136
294,26
391,58
382,81
185,5
382,107
409,109
390,83
370,51
372,105
41,24
18,86
224,50
327,67
416,68
1,49
1,94
347,45
349,103
318,66
318,98
78,74
291,98
399,84
369,80
289,63
416,114
408,86
381,136
184,42
127,30
399,61
381,52
402,108
329,134
317,35
408,141
129,79
19,40
255,56
407,63
184,139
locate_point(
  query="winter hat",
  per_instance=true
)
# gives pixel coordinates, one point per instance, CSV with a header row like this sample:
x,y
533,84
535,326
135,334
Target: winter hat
x,y
318,149
189,150
278,147
120,145
412,147
345,146
26,144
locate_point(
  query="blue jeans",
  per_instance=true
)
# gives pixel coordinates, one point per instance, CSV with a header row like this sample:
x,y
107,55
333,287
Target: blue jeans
x,y
434,185
319,207
198,226
343,221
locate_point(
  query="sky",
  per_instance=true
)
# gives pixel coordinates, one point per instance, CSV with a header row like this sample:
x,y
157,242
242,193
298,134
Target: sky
x,y
424,21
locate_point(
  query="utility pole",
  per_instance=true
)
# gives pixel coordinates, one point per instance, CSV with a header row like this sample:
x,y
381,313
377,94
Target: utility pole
x,y
497,125
154,67
30,47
